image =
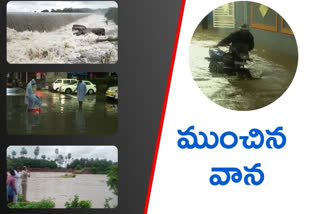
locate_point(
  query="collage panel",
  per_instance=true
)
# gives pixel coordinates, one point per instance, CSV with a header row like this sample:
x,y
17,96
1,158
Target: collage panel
x,y
61,103
58,177
62,32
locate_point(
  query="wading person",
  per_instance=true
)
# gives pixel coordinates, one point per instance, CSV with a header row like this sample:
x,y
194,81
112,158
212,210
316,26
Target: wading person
x,y
81,92
241,41
11,187
17,184
24,181
32,101
29,90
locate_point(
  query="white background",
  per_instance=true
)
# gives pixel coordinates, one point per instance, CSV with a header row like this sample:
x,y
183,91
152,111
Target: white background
x,y
181,183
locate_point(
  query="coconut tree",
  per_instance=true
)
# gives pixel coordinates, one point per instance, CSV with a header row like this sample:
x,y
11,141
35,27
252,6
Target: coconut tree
x,y
13,153
36,152
23,152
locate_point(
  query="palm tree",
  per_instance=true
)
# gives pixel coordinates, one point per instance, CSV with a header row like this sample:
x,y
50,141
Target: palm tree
x,y
36,152
69,157
57,153
13,153
23,152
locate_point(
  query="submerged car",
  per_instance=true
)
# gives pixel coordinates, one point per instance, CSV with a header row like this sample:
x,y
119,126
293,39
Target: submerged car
x,y
112,92
72,88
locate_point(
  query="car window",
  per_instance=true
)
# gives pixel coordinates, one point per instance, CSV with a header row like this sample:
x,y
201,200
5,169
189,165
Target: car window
x,y
73,81
58,81
66,81
87,83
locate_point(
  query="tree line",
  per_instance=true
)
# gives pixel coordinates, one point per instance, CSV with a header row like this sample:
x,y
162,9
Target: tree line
x,y
97,166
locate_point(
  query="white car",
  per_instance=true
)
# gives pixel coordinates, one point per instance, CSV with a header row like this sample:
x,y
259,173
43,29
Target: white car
x,y
60,82
72,88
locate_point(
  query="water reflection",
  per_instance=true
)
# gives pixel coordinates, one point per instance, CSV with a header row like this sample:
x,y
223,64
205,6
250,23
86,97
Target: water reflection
x,y
60,115
270,81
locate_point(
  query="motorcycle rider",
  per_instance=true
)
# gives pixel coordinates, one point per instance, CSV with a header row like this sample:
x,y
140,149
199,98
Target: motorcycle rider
x,y
241,41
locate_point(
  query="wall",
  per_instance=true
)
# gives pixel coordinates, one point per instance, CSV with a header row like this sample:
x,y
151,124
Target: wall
x,y
267,31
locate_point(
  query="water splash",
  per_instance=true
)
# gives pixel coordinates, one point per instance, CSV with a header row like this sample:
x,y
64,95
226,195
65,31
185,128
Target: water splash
x,y
61,46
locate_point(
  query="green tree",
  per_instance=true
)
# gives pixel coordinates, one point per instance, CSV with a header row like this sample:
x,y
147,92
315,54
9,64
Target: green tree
x,y
57,153
60,160
13,153
43,157
36,152
23,152
69,158
112,176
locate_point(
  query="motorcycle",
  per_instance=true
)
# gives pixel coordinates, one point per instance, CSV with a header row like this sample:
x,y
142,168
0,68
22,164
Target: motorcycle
x,y
229,61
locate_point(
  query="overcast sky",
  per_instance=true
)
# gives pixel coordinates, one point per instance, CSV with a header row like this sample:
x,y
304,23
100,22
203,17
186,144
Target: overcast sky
x,y
31,6
101,152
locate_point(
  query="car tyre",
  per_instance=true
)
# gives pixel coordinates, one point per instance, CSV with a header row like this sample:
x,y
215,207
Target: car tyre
x,y
90,92
68,91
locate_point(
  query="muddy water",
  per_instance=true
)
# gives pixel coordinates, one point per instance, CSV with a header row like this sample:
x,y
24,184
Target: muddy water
x,y
60,115
60,45
270,80
45,185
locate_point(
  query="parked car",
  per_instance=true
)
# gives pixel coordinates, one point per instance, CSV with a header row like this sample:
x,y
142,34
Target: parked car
x,y
72,88
60,82
112,92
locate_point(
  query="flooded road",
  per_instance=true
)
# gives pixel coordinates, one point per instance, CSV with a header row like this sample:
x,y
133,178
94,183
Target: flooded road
x,y
60,115
270,81
45,185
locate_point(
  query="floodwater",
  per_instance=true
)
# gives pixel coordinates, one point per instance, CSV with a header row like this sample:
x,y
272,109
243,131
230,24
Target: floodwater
x,y
270,79
32,39
60,115
50,185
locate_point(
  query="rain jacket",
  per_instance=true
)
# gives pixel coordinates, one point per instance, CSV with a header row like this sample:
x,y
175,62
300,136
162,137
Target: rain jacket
x,y
241,40
32,100
81,91
29,91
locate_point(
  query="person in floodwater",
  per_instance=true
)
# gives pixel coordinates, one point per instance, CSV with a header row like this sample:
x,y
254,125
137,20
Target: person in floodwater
x,y
24,181
81,92
11,187
17,183
241,41
32,101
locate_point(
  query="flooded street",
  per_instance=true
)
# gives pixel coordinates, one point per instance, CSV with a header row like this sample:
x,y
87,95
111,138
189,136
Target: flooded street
x,y
270,79
50,185
60,115
48,38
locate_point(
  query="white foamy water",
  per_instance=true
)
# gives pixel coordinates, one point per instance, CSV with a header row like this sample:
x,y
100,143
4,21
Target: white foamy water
x,y
61,46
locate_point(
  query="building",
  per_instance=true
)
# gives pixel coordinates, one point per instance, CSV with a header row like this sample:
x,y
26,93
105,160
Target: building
x,y
268,27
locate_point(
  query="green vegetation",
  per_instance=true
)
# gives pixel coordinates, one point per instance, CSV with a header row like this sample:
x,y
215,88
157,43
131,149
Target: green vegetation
x,y
33,163
112,176
75,203
112,14
97,166
45,203
104,83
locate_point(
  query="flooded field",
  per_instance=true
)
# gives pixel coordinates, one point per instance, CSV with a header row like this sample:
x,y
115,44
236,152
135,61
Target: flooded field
x,y
45,185
60,115
270,79
48,38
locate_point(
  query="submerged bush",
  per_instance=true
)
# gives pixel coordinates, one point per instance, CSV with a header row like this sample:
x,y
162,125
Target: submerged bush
x,y
75,203
43,204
